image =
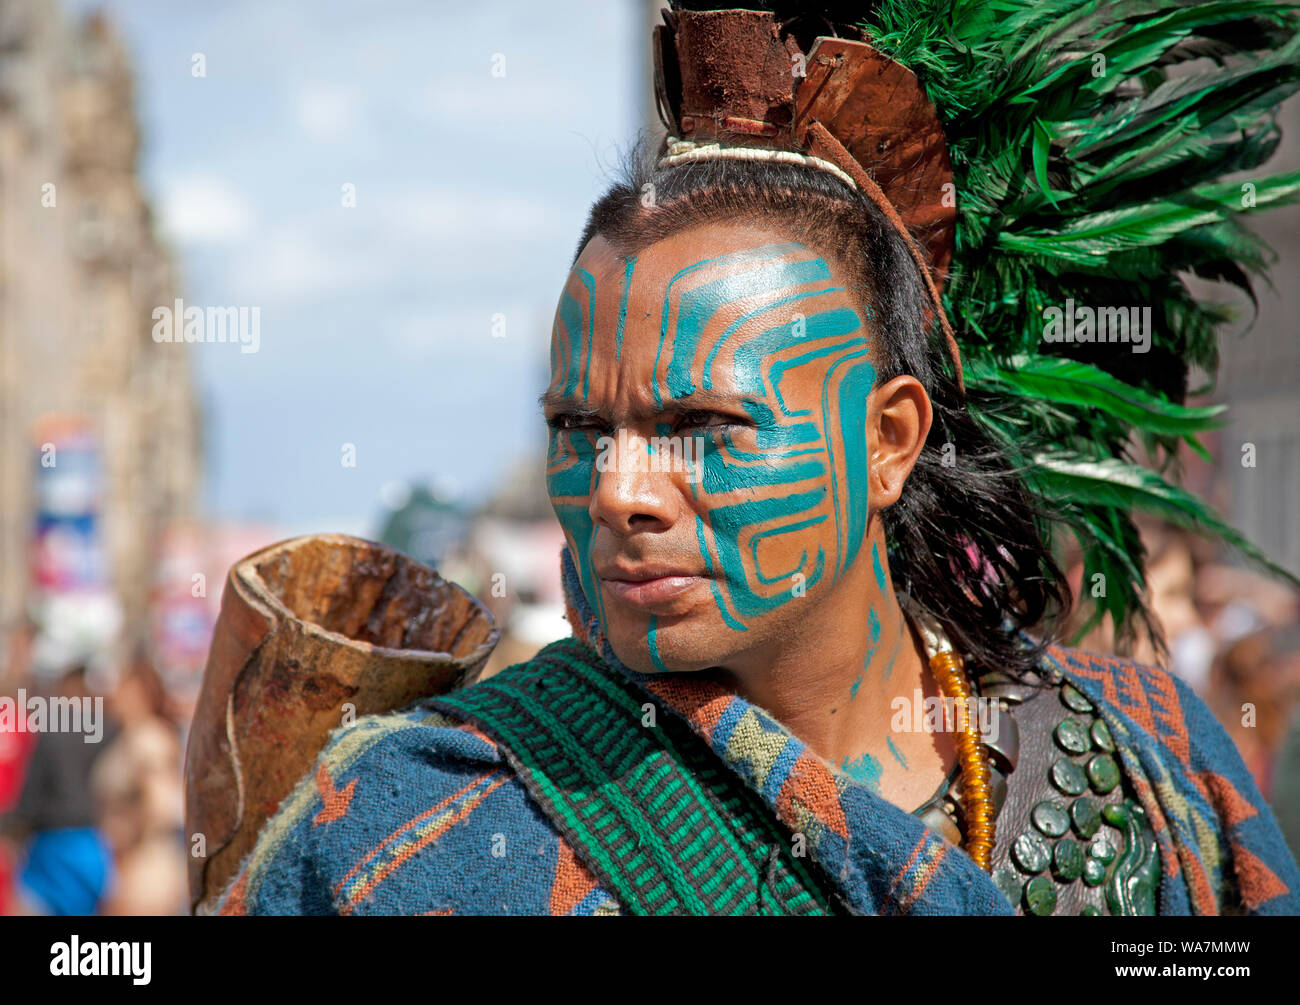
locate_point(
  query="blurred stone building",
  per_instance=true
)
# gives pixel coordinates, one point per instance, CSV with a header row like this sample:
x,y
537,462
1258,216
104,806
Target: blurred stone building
x,y
80,273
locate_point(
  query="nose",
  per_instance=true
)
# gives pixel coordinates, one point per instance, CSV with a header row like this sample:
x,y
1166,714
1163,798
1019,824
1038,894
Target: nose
x,y
631,495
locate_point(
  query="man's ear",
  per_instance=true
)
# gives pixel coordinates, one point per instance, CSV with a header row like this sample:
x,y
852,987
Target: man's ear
x,y
898,421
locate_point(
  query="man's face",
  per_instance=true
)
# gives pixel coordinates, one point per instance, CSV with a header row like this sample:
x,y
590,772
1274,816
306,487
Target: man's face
x,y
708,452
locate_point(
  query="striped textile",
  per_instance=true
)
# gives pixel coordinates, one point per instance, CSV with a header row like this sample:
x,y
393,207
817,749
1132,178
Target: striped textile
x,y
645,803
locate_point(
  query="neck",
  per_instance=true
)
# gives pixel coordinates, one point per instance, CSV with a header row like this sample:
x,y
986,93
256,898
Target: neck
x,y
837,679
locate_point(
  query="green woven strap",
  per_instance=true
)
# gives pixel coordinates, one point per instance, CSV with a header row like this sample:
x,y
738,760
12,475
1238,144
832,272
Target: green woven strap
x,y
659,820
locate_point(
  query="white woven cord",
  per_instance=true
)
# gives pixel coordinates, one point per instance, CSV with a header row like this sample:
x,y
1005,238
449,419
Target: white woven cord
x,y
686,151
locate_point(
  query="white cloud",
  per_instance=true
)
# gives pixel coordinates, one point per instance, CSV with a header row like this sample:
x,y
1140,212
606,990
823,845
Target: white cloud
x,y
294,262
205,209
326,113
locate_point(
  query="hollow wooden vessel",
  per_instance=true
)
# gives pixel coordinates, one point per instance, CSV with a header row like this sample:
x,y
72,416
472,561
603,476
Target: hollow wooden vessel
x,y
313,633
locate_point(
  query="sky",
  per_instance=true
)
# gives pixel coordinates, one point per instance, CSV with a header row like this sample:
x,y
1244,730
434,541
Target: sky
x,y
475,137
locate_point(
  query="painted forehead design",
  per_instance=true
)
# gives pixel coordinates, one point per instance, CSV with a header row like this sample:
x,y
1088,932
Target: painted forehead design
x,y
777,296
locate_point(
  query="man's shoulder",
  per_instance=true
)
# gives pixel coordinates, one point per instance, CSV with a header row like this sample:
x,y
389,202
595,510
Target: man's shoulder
x,y
1188,750
407,812
1156,707
1183,767
418,738
1160,703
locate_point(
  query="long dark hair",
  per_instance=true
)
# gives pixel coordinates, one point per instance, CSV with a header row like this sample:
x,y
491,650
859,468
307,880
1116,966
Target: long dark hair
x,y
966,544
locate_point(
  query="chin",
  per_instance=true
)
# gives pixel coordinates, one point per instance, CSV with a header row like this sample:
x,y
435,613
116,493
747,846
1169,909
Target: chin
x,y
681,647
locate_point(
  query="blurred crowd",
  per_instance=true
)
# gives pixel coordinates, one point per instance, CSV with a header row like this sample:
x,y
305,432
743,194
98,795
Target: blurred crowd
x,y
92,825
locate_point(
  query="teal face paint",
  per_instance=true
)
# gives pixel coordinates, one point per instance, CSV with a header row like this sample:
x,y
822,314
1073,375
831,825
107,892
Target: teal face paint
x,y
622,306
790,484
873,631
570,468
780,502
866,769
573,331
877,568
894,750
898,648
652,638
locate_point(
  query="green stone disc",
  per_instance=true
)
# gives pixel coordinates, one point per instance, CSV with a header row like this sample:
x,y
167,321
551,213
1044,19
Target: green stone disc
x,y
1075,699
1071,735
1093,872
1069,778
1040,895
1031,853
1050,818
1103,848
1103,773
1067,860
1009,883
1086,816
1101,738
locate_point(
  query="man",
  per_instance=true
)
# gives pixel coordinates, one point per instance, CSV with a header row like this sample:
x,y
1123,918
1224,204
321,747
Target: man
x,y
802,574
417,811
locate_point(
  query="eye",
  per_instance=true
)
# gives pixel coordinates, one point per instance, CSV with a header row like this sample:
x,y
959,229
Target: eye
x,y
700,419
572,421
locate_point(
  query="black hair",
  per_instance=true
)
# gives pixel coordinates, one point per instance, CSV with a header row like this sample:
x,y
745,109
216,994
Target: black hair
x,y
967,544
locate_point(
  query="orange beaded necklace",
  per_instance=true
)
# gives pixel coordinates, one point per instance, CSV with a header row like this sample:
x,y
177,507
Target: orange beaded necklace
x,y
976,787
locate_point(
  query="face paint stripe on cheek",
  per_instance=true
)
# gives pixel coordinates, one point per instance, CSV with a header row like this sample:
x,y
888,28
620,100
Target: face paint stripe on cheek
x,y
758,538
759,473
713,583
734,525
570,481
851,410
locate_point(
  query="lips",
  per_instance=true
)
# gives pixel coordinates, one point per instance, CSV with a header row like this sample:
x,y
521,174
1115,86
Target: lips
x,y
647,585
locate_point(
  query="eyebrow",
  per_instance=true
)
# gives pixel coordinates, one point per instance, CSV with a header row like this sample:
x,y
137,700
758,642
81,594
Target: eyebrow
x,y
701,398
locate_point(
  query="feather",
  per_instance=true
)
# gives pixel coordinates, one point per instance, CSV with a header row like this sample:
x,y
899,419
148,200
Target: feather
x,y
1090,149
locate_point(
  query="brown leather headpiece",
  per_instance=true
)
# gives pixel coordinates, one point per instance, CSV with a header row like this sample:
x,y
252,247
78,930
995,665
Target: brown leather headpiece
x,y
735,78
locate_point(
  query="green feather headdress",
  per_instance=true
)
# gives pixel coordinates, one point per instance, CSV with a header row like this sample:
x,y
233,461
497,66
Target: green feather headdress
x,y
1091,144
